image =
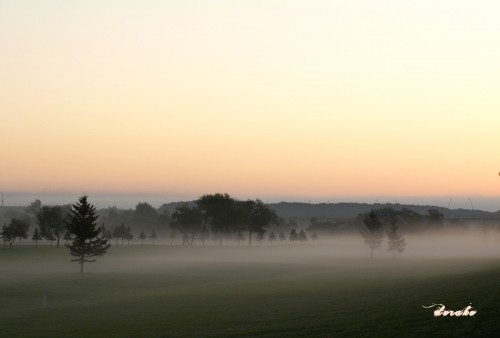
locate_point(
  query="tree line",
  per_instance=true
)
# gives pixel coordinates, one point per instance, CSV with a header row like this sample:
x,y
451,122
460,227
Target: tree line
x,y
217,217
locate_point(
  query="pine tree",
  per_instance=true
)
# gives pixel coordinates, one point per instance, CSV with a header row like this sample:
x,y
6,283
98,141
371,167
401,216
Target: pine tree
x,y
282,238
293,235
86,239
153,236
395,240
142,236
372,233
36,237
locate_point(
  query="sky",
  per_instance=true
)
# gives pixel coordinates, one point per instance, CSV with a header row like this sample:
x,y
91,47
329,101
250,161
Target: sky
x,y
298,100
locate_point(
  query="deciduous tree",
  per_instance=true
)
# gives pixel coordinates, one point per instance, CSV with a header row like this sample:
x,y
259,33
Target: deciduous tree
x,y
153,236
17,228
142,236
188,221
260,236
272,237
259,217
50,220
218,211
36,237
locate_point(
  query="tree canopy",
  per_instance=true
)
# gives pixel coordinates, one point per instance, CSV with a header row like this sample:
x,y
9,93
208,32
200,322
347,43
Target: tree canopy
x,y
17,228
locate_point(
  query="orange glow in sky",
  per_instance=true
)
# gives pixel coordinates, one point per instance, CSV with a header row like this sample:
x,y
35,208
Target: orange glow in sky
x,y
289,98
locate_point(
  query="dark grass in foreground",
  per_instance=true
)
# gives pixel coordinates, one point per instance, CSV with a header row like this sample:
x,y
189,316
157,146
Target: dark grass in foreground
x,y
203,292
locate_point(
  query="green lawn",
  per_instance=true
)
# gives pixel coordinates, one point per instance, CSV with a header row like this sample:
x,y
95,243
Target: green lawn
x,y
279,291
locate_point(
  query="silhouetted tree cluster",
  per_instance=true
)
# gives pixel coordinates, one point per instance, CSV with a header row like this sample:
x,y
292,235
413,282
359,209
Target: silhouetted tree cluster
x,y
221,217
121,232
143,217
50,221
188,221
373,234
408,219
17,228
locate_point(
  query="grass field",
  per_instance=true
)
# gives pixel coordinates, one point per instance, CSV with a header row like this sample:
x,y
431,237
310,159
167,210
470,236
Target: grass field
x,y
278,291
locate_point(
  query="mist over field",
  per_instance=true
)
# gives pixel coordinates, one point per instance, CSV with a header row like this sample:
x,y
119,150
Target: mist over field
x,y
224,267
249,168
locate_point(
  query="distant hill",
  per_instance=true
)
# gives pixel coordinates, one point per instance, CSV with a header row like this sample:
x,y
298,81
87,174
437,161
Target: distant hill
x,y
334,210
351,210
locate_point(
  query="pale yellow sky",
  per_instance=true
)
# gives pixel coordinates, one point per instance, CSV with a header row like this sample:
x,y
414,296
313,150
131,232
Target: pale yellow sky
x,y
288,98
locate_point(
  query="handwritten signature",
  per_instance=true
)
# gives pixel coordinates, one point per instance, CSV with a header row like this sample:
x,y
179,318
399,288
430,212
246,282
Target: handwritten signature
x,y
442,312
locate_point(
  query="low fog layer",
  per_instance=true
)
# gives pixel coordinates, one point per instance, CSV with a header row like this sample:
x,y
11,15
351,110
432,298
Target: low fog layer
x,y
437,253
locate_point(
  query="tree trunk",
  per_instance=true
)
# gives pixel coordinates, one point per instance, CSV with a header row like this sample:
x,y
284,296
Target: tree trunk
x,y
58,237
36,244
81,265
